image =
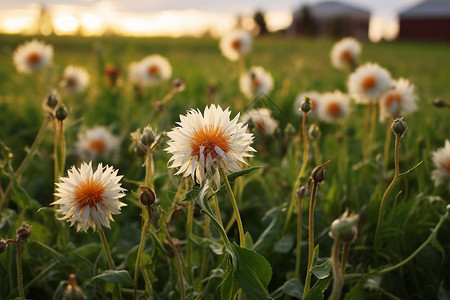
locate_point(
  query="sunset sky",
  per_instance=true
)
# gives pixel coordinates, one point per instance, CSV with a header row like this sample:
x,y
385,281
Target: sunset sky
x,y
175,17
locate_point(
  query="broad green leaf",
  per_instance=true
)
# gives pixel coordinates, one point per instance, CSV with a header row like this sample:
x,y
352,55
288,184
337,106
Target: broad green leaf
x,y
248,240
121,277
266,238
192,193
229,285
284,245
293,287
316,292
315,255
356,292
323,270
237,174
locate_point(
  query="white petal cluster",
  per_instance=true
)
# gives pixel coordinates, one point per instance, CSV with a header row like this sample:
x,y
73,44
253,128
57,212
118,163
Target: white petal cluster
x,y
75,79
334,107
32,56
262,120
316,100
150,70
202,144
236,44
97,142
89,198
345,54
368,83
256,82
441,161
399,100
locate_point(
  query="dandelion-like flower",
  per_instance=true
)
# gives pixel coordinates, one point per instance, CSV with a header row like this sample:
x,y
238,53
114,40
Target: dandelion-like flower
x,y
32,56
368,83
400,100
315,98
261,120
441,161
334,107
98,142
89,198
256,82
236,44
345,54
151,70
202,144
75,79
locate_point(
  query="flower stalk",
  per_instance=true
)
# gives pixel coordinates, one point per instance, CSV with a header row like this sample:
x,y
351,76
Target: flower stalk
x,y
109,258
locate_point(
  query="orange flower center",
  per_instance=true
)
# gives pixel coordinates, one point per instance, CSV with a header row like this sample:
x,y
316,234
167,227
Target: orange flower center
x,y
447,166
260,125
210,137
33,58
256,82
393,97
236,44
97,145
153,70
313,104
346,55
369,82
89,192
333,109
71,81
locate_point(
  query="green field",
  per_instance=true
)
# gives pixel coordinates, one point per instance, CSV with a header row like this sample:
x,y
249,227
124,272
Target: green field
x,y
412,210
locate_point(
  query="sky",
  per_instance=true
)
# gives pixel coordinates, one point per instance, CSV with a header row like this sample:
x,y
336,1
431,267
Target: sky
x,y
169,15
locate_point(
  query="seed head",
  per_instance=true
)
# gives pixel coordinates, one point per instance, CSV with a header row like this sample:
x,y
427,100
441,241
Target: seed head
x,y
399,126
146,196
179,84
439,102
289,130
52,100
23,233
306,105
314,132
61,113
344,228
148,136
301,191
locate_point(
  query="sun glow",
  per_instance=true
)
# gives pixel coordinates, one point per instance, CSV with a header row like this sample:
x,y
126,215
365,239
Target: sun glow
x,y
65,24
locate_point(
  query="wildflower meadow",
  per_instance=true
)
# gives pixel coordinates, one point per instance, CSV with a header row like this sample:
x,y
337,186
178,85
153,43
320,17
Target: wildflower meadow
x,y
235,168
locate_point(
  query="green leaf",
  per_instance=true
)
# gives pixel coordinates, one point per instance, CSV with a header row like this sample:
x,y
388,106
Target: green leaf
x,y
292,287
192,193
237,174
323,270
229,286
356,293
319,287
266,238
121,277
315,255
248,240
284,245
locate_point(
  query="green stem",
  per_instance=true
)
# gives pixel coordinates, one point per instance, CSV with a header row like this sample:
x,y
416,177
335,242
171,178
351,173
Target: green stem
x,y
310,240
204,268
109,258
189,226
299,176
345,250
24,164
380,213
387,142
235,209
19,272
373,124
337,282
149,168
169,95
299,236
61,149
217,210
366,130
138,264
177,263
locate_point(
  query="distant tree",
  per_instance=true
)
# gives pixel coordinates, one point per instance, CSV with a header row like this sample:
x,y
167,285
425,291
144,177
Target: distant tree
x,y
306,24
261,22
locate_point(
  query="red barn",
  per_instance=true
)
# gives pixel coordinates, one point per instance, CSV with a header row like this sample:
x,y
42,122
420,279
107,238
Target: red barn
x,y
429,20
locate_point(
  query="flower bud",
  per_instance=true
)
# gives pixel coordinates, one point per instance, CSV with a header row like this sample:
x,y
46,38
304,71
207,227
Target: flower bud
x,y
3,245
314,132
72,290
344,228
146,196
289,130
319,173
399,126
23,233
160,106
140,149
52,100
301,191
61,113
306,105
439,102
178,84
148,137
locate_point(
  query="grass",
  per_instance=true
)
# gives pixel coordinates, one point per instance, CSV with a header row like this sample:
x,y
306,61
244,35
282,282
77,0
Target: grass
x,y
297,65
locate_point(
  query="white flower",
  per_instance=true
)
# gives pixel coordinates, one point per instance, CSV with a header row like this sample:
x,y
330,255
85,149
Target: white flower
x,y
261,119
89,198
399,100
256,82
236,44
368,83
441,161
75,79
151,70
345,54
204,143
97,142
334,106
32,56
316,100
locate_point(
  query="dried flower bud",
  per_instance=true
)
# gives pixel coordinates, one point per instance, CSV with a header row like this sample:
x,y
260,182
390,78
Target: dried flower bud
x,y
178,84
439,102
344,228
289,130
72,290
306,105
301,191
148,137
23,232
3,245
52,100
61,113
319,173
160,106
314,132
399,126
146,196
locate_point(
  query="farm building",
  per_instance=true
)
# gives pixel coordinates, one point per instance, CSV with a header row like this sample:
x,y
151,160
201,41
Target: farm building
x,y
429,20
330,18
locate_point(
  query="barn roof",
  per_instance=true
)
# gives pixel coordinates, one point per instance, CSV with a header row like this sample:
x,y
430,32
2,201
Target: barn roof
x,y
333,9
428,9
